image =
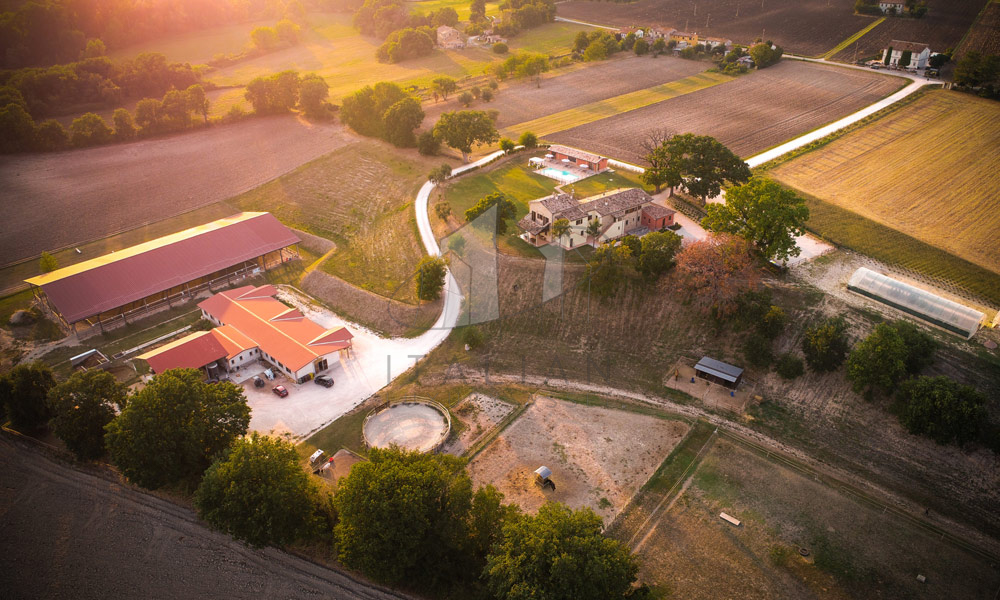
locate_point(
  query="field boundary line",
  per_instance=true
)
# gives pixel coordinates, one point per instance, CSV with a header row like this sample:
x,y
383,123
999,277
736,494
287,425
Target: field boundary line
x,y
617,105
854,492
685,475
484,442
857,36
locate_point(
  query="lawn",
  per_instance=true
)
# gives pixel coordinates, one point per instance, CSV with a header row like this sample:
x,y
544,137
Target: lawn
x,y
197,47
360,196
461,7
921,170
601,109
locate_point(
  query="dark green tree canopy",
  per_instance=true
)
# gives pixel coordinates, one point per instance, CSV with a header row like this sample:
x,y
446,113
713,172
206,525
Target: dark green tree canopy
x,y
826,344
258,493
698,162
82,406
878,362
559,554
463,129
402,517
23,392
942,409
657,252
764,213
170,430
506,210
431,273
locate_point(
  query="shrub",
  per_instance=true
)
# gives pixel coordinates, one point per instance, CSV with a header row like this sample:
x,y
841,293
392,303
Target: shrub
x,y
430,277
428,144
487,95
757,350
826,344
773,323
500,48
443,210
440,174
942,409
507,145
528,140
789,366
472,336
465,98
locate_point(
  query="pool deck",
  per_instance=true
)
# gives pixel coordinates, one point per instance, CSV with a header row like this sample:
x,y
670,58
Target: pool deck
x,y
571,174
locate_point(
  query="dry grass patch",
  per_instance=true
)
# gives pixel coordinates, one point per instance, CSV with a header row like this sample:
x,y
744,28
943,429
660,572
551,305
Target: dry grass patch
x,y
925,170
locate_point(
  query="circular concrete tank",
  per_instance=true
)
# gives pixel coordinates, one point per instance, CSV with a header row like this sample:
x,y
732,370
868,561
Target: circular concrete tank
x,y
411,423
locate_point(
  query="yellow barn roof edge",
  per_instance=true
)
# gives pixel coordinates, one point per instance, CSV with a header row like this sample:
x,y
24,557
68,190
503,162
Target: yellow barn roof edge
x,y
131,251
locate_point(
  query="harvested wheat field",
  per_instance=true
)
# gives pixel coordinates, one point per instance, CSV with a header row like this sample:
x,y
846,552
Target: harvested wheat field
x,y
66,198
854,550
519,101
808,27
599,457
749,114
928,170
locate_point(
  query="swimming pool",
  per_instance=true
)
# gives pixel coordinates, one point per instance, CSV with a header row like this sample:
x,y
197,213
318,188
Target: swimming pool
x,y
559,174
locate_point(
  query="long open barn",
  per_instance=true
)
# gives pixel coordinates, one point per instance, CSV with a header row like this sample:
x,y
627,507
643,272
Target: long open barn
x,y
109,290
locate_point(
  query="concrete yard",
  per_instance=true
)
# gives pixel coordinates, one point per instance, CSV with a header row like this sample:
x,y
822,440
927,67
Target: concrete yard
x,y
599,457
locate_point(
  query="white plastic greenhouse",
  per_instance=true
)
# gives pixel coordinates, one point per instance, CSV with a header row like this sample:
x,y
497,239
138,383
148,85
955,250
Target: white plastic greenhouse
x,y
920,303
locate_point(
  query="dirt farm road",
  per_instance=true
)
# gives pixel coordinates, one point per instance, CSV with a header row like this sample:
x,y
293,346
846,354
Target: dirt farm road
x,y
71,534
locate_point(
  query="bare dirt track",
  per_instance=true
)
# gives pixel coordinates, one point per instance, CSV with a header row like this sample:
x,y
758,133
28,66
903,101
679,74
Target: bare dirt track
x,y
750,114
56,200
808,27
524,101
70,534
942,28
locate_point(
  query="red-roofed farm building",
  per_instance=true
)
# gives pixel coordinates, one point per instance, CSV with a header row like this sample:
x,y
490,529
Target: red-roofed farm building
x,y
253,325
110,290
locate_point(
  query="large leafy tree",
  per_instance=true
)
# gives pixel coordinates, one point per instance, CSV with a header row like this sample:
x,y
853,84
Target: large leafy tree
x,y
23,393
259,493
657,252
825,345
942,409
764,213
402,517
920,347
444,86
89,130
559,554
463,129
400,120
82,406
364,111
716,271
878,362
431,272
506,210
313,92
707,164
606,269
172,429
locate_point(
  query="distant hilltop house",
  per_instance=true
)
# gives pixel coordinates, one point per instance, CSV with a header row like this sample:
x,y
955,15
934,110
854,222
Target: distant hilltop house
x,y
450,38
713,42
619,213
250,325
655,33
918,54
893,8
684,37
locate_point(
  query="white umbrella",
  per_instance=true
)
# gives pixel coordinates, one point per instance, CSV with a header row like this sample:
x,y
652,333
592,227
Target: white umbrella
x,y
584,166
550,156
567,161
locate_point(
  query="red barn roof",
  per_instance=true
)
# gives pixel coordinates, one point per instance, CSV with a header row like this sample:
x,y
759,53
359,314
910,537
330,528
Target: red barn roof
x,y
94,286
282,332
190,352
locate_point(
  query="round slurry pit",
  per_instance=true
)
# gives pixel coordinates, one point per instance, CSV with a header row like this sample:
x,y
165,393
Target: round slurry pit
x,y
412,424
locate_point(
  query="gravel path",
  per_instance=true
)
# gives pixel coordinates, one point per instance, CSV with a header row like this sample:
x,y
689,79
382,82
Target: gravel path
x,y
72,534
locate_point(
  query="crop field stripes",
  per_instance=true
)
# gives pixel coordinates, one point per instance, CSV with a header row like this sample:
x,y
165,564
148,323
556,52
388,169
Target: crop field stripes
x,y
610,107
857,36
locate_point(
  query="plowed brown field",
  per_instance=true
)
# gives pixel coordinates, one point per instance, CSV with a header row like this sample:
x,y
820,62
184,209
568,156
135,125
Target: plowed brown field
x,y
749,114
808,27
984,36
59,199
942,28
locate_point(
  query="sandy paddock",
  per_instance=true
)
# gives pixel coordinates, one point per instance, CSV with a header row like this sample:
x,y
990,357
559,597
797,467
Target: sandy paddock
x,y
595,454
481,414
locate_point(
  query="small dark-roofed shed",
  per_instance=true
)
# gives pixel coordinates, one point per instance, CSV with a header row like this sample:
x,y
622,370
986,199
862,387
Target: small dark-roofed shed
x,y
718,372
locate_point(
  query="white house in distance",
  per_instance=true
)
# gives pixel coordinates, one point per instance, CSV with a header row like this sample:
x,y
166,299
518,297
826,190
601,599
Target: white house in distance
x,y
919,53
895,8
620,212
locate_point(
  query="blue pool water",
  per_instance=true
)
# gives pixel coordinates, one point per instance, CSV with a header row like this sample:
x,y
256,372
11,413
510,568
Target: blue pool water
x,y
559,174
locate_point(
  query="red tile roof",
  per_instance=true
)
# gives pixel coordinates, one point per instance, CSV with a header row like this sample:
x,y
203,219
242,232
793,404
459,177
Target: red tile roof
x,y
190,352
101,284
282,332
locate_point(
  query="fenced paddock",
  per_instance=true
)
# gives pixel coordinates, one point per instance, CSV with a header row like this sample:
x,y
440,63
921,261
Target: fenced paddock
x,y
412,423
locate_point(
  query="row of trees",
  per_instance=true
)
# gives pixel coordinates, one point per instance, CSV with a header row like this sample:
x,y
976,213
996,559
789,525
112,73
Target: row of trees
x,y
384,111
404,44
612,263
284,91
96,82
979,72
522,65
284,33
55,31
400,518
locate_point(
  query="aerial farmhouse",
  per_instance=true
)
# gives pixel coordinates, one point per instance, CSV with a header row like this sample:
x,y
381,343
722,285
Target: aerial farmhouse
x,y
450,38
918,54
618,213
130,283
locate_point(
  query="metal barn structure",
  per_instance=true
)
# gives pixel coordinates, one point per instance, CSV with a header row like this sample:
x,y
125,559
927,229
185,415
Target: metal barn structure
x,y
925,305
719,372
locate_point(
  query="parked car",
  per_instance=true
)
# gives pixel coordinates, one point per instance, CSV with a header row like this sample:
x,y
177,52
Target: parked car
x,y
280,390
324,380
876,66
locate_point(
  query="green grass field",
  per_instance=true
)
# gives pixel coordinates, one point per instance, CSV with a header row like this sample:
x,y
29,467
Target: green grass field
x,y
602,109
461,7
360,196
